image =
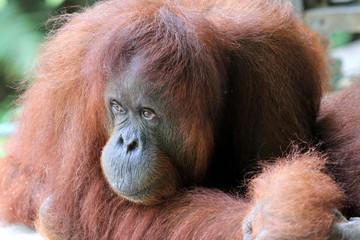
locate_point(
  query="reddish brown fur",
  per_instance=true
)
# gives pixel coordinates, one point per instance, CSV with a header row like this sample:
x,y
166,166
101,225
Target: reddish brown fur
x,y
257,48
298,185
338,126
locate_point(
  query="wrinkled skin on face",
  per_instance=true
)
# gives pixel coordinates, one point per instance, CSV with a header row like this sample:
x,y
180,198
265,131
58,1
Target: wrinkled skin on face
x,y
142,159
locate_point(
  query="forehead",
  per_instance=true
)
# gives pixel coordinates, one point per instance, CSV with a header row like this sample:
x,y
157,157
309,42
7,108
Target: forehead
x,y
133,84
127,83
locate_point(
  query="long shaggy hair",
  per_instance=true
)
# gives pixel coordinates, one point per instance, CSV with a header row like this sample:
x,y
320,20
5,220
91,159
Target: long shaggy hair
x,y
196,50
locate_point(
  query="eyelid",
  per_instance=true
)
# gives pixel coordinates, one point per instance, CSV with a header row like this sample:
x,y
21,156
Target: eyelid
x,y
143,110
114,103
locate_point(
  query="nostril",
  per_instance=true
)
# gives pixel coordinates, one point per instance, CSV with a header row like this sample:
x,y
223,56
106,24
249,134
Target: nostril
x,y
121,141
132,146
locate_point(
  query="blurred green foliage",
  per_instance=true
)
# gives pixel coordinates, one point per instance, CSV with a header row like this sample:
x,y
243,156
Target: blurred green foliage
x,y
22,29
2,141
340,38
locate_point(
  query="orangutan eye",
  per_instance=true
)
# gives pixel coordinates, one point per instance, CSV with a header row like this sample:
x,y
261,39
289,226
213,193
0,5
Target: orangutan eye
x,y
148,114
117,107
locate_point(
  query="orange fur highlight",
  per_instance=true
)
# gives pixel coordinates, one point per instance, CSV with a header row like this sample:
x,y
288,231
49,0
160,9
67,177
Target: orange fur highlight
x,y
294,199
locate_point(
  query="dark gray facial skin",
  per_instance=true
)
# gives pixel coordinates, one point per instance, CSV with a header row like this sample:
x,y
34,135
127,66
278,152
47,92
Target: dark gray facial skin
x,y
138,160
